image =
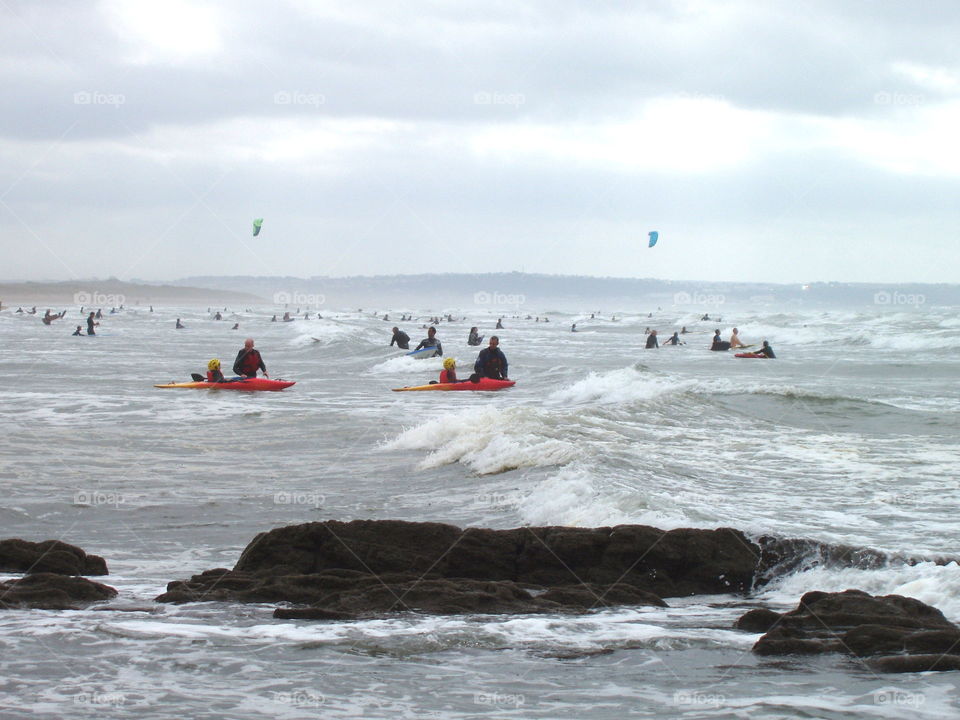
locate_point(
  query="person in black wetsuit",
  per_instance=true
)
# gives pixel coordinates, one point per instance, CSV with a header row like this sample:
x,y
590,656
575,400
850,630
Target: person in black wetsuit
x,y
430,341
400,338
767,350
179,325
499,324
90,323
77,331
491,362
652,340
718,344
249,361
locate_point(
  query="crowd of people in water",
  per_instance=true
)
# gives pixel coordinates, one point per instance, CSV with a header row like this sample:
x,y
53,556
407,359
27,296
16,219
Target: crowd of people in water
x,y
491,362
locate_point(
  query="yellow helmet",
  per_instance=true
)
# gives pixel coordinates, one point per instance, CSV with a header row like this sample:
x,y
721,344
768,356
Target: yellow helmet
x,y
449,364
213,364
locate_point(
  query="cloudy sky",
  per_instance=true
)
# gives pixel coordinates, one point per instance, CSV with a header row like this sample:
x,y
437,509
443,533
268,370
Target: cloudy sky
x,y
764,140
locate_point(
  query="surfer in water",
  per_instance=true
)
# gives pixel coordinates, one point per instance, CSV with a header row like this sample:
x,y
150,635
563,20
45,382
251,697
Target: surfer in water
x,y
674,340
90,324
179,325
249,361
430,341
499,324
475,337
77,331
400,338
735,339
652,340
767,350
491,362
718,344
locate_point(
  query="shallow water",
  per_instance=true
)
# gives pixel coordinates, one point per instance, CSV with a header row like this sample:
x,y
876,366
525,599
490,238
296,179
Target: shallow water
x,y
849,436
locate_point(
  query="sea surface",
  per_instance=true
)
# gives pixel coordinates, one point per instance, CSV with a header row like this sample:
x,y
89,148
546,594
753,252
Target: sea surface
x,y
850,436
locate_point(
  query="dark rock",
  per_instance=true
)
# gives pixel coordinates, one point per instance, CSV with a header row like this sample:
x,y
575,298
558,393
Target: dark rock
x,y
758,620
669,564
49,591
861,625
49,556
914,663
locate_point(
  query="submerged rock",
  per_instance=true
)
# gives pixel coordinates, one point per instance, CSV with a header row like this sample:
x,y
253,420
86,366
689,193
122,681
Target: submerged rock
x,y
367,566
49,556
905,631
50,591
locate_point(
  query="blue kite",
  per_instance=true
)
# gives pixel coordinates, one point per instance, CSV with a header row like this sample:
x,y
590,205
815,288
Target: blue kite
x,y
654,236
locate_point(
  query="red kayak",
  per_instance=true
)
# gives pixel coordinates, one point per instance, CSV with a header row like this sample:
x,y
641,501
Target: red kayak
x,y
758,356
249,384
482,384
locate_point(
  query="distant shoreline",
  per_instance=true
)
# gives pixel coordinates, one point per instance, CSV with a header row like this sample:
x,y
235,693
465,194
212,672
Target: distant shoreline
x,y
113,293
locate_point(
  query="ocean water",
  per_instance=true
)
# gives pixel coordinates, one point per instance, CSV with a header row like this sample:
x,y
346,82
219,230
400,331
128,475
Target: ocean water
x,y
850,436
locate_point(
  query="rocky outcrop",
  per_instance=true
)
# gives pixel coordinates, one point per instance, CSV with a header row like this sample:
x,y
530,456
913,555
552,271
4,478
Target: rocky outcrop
x,y
49,556
898,634
50,591
367,566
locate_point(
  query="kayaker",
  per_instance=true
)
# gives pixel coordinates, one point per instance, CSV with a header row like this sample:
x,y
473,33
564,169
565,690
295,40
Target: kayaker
x,y
735,339
90,323
449,372
718,344
674,339
491,362
77,331
652,340
249,361
767,350
214,373
430,341
400,338
475,337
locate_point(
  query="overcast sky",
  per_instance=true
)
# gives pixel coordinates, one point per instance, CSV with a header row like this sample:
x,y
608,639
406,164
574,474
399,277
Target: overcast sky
x,y
764,140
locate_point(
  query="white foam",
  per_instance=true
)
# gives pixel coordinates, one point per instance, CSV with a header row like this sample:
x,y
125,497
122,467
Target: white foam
x,y
626,385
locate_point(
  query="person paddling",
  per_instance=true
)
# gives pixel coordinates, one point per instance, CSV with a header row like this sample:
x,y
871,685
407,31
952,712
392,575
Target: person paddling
x,y
249,361
491,362
449,372
767,350
214,373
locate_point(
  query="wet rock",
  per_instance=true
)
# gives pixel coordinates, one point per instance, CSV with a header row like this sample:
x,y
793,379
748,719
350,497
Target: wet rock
x,y
914,663
758,620
49,556
50,591
666,563
856,623
366,567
